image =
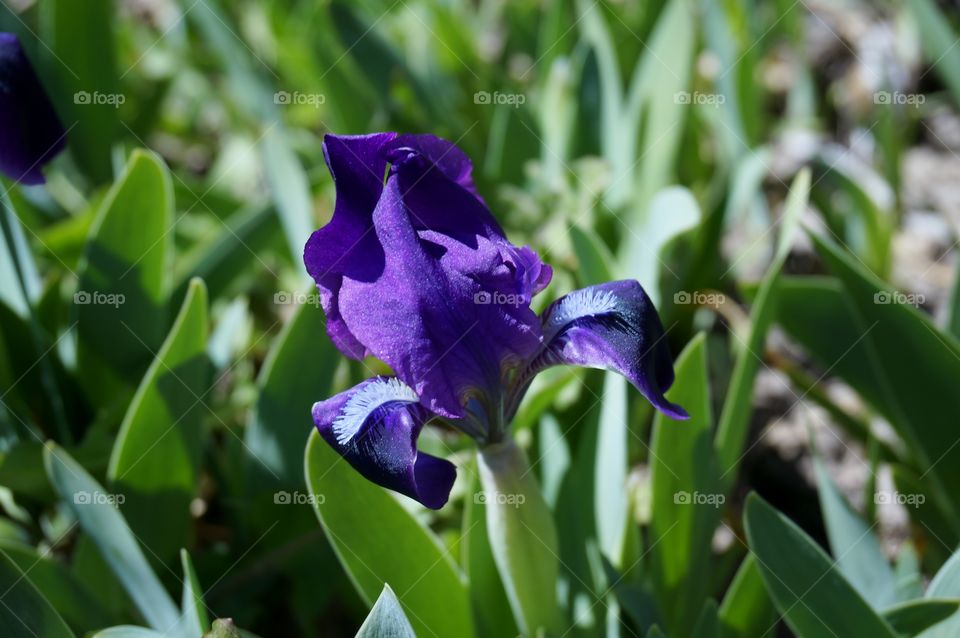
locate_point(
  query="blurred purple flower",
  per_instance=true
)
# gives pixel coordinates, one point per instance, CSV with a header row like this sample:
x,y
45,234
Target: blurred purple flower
x,y
30,131
414,270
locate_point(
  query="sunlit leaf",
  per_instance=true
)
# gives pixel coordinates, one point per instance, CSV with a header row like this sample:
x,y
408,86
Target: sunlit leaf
x,y
386,619
686,496
813,596
155,460
298,372
99,517
124,277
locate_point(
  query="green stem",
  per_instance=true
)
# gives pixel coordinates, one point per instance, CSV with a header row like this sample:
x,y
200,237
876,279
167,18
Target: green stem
x,y
523,537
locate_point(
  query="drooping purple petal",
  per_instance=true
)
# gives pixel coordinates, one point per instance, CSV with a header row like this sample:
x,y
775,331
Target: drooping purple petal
x,y
612,326
30,131
432,287
375,426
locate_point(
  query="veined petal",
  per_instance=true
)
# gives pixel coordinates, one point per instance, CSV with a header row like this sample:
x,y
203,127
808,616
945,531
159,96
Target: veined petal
x,y
611,326
375,426
30,131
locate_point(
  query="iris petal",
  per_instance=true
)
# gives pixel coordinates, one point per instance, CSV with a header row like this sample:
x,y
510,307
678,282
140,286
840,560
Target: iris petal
x,y
443,154
346,244
30,131
611,326
374,426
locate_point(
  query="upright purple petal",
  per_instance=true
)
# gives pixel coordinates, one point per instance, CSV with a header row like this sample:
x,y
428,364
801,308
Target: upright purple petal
x,y
441,196
30,131
347,244
612,326
375,426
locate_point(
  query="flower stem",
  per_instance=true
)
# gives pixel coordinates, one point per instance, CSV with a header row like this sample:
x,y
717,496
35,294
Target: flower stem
x,y
523,537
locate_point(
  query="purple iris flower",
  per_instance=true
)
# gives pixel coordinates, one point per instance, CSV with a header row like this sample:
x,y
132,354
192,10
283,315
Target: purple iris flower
x,y
30,131
414,270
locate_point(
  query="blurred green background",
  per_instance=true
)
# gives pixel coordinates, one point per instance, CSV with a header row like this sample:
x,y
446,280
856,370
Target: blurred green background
x,y
159,329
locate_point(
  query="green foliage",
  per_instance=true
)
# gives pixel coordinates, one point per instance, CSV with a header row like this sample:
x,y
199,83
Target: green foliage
x,y
298,369
386,619
25,612
686,497
124,276
81,74
393,549
155,462
160,339
100,519
859,557
522,536
808,590
734,420
746,609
